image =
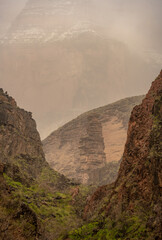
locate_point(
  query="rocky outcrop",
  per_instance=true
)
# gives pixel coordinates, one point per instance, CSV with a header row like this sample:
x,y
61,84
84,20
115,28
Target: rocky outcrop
x,y
140,173
89,147
35,201
134,202
22,160
19,139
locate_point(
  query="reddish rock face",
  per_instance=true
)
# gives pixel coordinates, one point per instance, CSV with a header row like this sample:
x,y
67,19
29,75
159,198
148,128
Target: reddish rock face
x,y
137,189
138,168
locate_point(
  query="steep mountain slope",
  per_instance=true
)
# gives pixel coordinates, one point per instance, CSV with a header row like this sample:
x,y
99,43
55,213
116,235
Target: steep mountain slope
x,y
35,201
90,147
58,47
131,207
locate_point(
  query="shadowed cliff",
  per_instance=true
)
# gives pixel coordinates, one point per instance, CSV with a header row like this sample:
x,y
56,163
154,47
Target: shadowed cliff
x,y
36,202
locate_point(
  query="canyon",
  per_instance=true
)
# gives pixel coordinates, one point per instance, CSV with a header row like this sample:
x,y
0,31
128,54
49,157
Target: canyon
x,y
37,202
98,176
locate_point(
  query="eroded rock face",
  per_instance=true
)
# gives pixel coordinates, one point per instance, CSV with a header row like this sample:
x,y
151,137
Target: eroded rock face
x,y
79,149
137,190
26,180
85,148
19,139
140,170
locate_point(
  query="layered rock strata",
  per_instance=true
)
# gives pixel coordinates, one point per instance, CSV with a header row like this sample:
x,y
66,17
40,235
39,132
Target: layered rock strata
x,y
89,147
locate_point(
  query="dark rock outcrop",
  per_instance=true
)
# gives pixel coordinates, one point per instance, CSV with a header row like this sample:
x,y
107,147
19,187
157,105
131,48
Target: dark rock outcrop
x,y
19,140
89,147
35,201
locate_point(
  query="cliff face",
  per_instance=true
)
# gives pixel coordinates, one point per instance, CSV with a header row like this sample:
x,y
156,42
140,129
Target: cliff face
x,y
77,150
141,165
131,207
89,147
35,201
139,182
19,139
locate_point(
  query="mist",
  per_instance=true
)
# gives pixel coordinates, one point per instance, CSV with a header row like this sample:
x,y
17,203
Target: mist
x,y
138,23
60,58
9,10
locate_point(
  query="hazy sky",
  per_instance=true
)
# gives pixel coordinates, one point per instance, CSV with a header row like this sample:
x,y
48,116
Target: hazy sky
x,y
9,9
57,82
134,21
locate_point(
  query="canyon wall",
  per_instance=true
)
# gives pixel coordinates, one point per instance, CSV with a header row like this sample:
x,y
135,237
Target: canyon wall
x,y
131,206
89,148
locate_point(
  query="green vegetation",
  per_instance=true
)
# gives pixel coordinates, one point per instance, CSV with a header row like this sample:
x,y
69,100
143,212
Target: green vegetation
x,y
126,228
54,209
37,201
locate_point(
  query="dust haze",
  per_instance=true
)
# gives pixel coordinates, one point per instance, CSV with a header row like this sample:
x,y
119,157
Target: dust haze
x,y
9,9
60,58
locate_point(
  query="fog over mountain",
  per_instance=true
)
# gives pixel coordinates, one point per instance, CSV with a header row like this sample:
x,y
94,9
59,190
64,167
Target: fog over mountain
x,y
59,58
9,9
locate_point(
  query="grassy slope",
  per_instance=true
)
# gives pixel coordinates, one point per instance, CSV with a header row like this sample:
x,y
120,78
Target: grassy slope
x,y
49,198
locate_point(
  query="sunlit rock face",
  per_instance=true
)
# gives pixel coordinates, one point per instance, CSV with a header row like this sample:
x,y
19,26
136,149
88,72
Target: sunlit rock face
x,y
60,55
89,148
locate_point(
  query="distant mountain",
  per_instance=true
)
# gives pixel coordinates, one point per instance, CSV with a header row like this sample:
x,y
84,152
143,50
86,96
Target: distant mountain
x,y
89,148
58,53
61,19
